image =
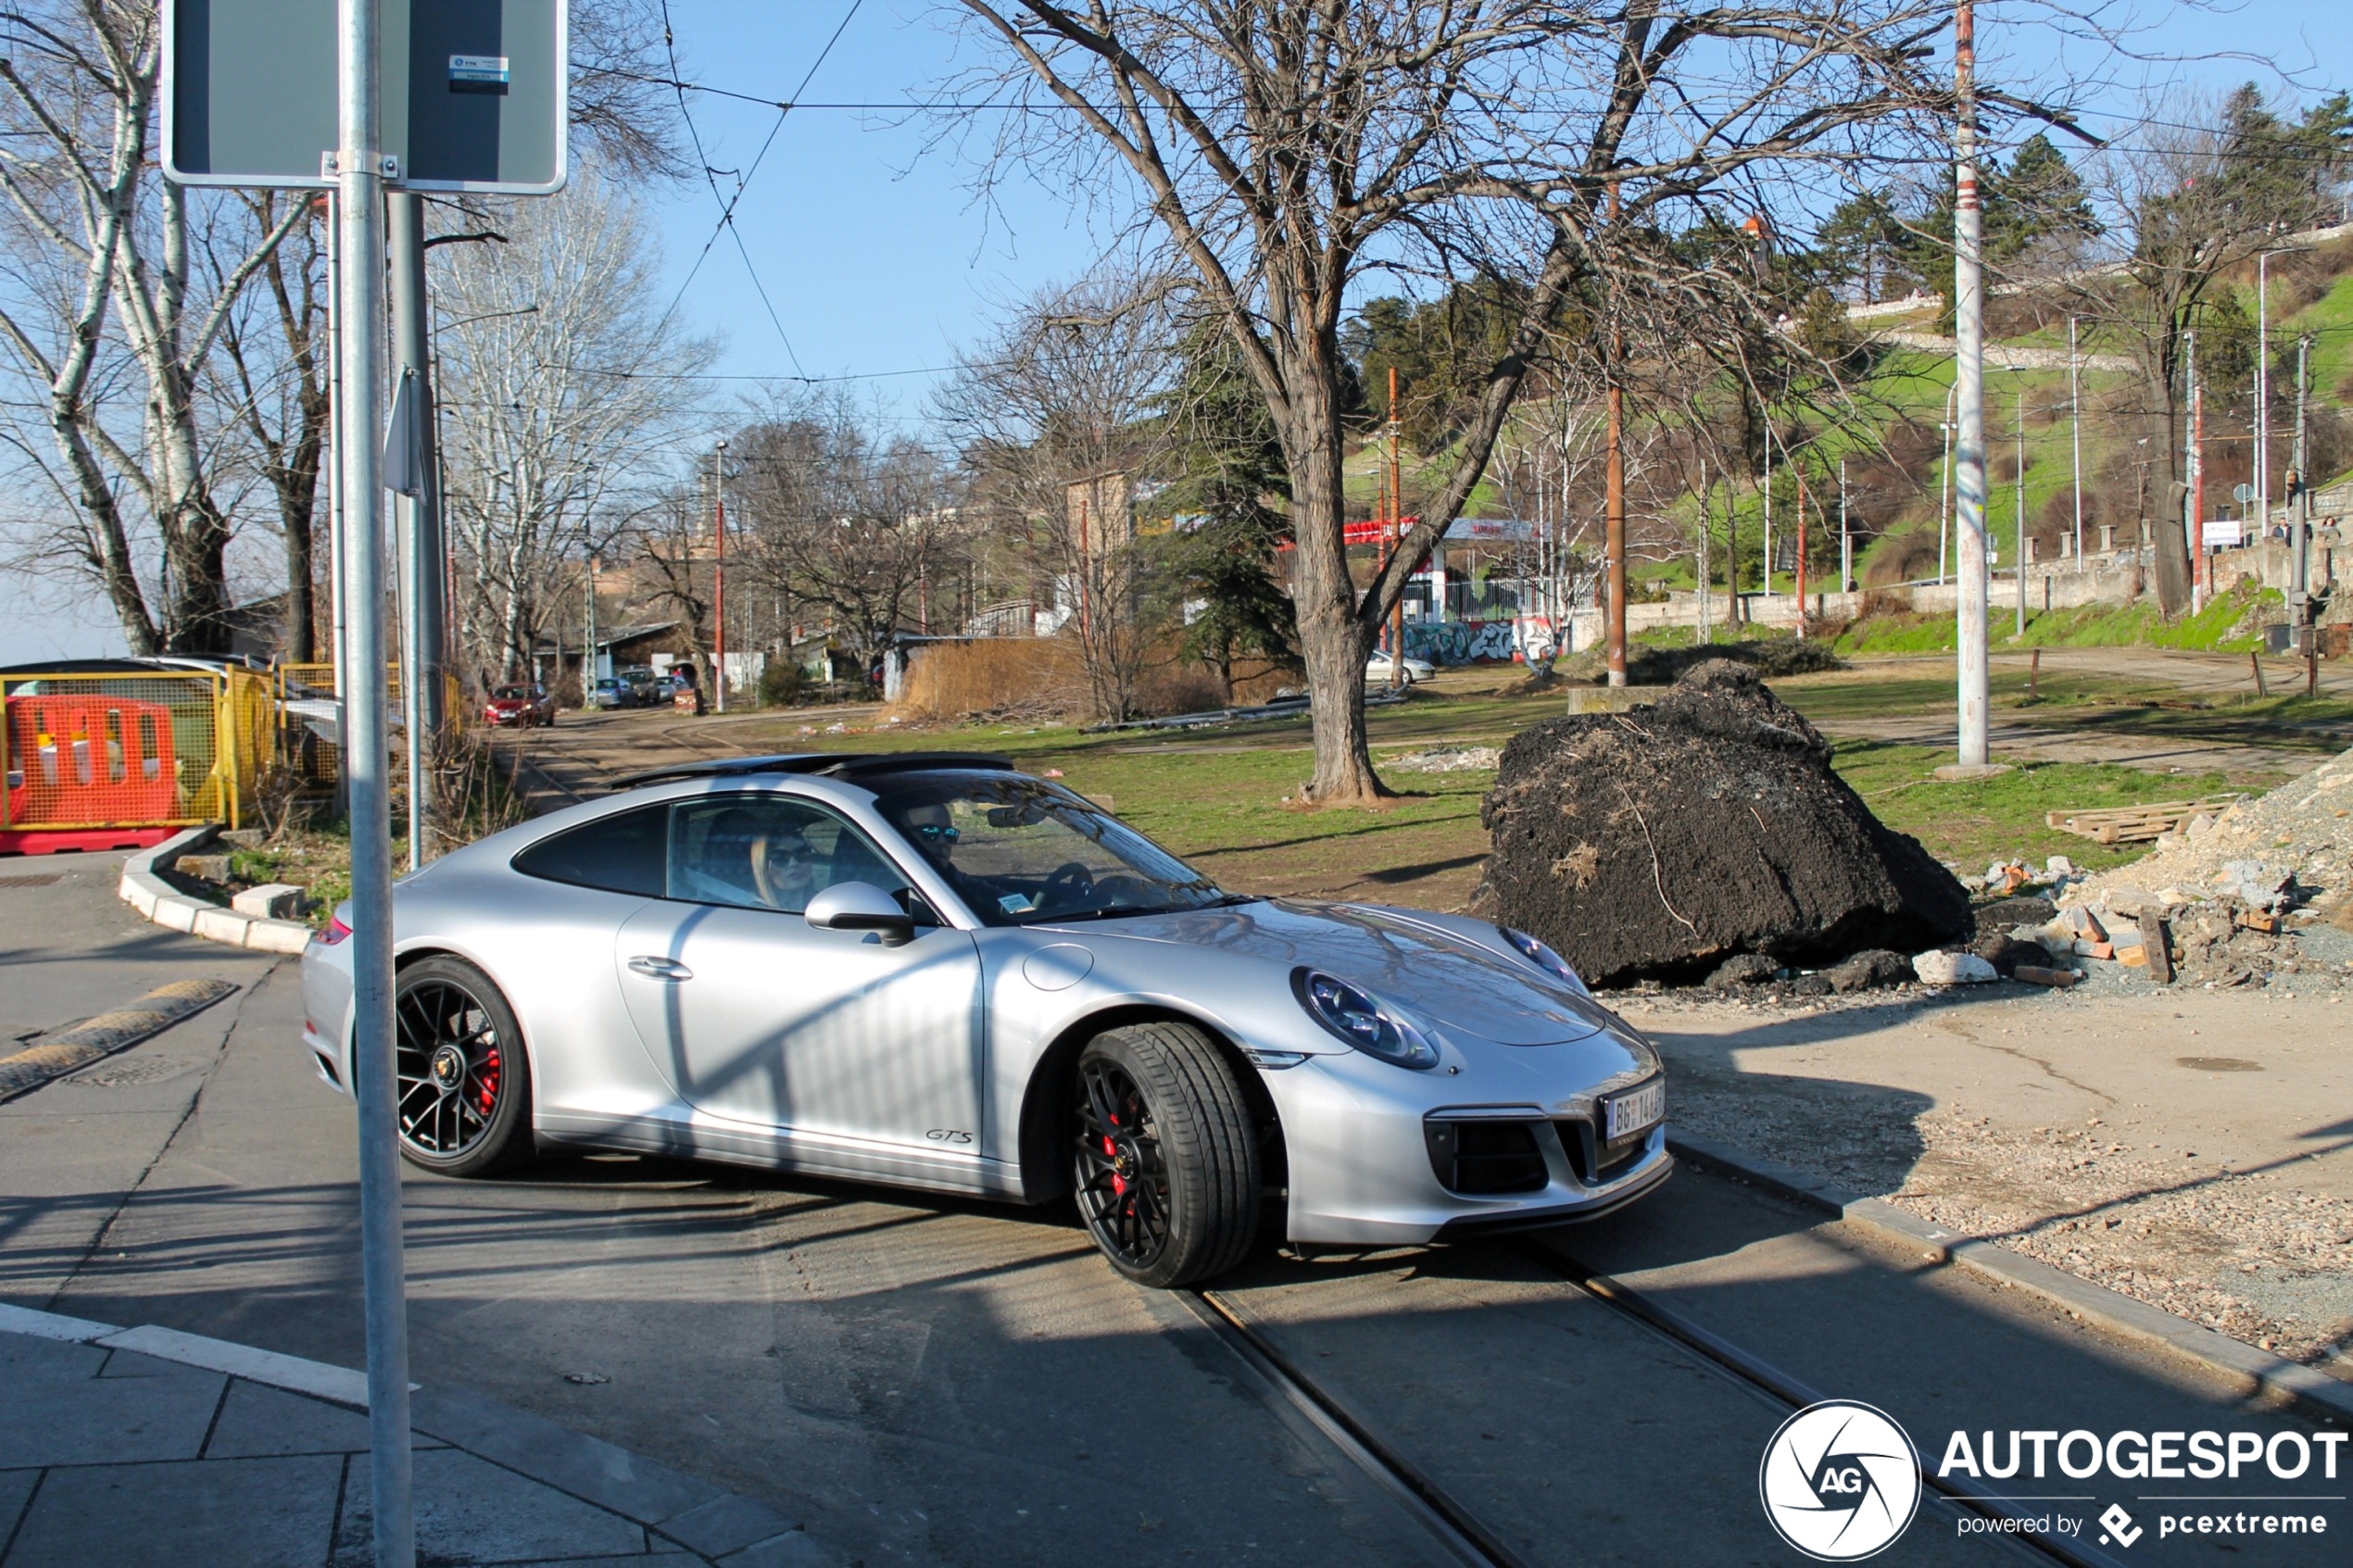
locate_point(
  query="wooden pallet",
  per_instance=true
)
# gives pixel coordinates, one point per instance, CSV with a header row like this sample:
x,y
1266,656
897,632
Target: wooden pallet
x,y
2133,824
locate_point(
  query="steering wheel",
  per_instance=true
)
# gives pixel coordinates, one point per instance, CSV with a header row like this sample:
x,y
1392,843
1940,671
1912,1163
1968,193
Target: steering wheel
x,y
1070,875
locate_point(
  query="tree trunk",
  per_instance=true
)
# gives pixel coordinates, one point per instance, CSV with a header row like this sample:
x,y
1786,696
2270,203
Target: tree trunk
x,y
1333,635
2169,511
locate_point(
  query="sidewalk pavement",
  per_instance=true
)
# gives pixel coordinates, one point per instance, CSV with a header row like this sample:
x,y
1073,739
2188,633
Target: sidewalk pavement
x,y
146,1445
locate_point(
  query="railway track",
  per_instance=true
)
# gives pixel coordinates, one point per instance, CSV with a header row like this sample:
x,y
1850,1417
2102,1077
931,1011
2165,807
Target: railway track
x,y
1454,1526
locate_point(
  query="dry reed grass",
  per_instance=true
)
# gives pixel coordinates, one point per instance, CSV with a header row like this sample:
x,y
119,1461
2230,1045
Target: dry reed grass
x,y
1041,678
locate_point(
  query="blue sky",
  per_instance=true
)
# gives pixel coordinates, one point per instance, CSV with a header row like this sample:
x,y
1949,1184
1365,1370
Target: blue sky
x,y
876,258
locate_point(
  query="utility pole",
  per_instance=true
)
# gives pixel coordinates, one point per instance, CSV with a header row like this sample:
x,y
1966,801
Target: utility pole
x,y
419,551
1767,563
2194,499
360,221
1706,593
1968,343
1801,552
1944,490
719,571
1845,538
2299,585
2021,508
1614,514
588,624
2263,391
2075,434
1396,538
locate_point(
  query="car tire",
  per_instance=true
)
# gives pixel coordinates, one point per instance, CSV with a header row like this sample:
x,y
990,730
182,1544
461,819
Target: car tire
x,y
464,1106
1165,1167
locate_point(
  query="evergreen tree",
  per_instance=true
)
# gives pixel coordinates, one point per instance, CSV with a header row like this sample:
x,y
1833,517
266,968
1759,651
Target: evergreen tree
x,y
1231,499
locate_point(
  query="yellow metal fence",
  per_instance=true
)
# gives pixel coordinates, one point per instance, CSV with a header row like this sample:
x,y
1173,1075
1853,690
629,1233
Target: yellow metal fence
x,y
161,750
82,751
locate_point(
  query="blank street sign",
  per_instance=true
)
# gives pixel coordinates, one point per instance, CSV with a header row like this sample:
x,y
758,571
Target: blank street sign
x,y
477,101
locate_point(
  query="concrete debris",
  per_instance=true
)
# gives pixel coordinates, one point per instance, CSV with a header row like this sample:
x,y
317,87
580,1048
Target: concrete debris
x,y
1447,759
1939,968
1657,843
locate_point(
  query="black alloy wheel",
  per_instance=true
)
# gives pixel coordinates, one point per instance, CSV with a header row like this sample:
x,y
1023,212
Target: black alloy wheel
x,y
463,1084
1123,1181
1165,1157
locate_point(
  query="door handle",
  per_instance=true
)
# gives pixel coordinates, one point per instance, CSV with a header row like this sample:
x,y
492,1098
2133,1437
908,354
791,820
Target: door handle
x,y
660,969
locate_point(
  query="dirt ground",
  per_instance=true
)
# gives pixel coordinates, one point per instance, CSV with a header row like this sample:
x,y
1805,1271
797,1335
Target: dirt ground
x,y
2193,1150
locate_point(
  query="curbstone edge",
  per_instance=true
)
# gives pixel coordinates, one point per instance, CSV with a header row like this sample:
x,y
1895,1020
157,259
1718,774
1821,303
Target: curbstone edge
x,y
164,905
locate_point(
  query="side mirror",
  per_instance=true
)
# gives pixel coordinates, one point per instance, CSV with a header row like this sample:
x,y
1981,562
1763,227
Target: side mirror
x,y
860,906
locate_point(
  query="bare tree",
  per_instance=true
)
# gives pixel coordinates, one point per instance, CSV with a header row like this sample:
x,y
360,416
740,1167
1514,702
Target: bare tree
x,y
1285,148
276,385
565,392
1061,420
837,517
2196,191
108,260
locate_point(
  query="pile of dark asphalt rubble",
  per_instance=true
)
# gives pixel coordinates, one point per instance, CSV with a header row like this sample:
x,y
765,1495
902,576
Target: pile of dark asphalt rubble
x,y
1706,840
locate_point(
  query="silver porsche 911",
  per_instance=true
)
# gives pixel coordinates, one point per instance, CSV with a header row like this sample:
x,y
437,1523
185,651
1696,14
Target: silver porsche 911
x,y
933,970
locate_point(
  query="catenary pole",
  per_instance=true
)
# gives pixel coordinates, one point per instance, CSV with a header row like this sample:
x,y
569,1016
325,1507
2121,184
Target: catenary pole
x,y
2075,434
719,571
1968,342
2300,582
1706,591
1945,490
2193,500
2263,389
360,180
1801,550
1845,538
1614,499
2020,493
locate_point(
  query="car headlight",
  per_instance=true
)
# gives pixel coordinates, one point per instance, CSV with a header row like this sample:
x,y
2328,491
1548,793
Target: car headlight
x,y
1364,1024
1544,957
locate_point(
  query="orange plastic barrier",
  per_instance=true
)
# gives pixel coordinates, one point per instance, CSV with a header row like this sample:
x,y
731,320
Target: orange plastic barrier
x,y
81,759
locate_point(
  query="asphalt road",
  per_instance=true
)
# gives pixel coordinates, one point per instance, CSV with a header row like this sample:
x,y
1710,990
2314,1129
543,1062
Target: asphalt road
x,y
932,1381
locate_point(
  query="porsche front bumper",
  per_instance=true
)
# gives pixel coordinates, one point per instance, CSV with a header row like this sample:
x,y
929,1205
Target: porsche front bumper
x,y
1381,1156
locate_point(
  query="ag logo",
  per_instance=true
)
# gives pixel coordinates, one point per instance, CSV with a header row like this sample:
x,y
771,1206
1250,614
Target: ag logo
x,y
1839,1481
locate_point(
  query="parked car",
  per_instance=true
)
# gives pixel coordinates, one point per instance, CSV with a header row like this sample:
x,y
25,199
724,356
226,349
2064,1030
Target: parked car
x,y
611,691
932,970
1377,667
520,706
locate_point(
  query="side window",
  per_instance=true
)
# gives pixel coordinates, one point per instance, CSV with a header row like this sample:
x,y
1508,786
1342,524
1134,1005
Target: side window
x,y
621,854
768,852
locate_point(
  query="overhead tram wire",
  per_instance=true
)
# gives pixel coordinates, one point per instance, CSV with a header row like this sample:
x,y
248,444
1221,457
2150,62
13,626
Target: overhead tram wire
x,y
743,183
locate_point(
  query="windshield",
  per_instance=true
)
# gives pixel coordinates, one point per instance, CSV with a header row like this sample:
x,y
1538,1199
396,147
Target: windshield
x,y
512,694
1022,852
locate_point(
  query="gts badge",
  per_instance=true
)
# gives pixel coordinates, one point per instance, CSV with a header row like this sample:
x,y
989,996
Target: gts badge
x,y
949,1135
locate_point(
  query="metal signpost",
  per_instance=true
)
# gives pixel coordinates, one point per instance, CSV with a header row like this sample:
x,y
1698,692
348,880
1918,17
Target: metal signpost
x,y
426,94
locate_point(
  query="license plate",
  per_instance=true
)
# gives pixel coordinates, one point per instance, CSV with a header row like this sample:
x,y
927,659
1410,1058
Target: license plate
x,y
1636,1111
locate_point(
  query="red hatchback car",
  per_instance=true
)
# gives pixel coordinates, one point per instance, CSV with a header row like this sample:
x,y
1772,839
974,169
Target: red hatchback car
x,y
520,706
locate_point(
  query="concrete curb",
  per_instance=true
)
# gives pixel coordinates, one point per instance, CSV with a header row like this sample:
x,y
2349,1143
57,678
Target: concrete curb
x,y
681,1510
166,906
2311,1394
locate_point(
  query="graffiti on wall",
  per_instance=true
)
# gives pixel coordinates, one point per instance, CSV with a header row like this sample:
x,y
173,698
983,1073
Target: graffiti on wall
x,y
1469,641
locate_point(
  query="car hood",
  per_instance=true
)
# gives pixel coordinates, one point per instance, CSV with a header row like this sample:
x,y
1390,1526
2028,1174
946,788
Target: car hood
x,y
1438,977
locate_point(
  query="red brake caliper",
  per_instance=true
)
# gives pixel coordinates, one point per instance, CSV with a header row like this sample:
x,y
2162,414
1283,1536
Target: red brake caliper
x,y
1119,1181
489,1076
